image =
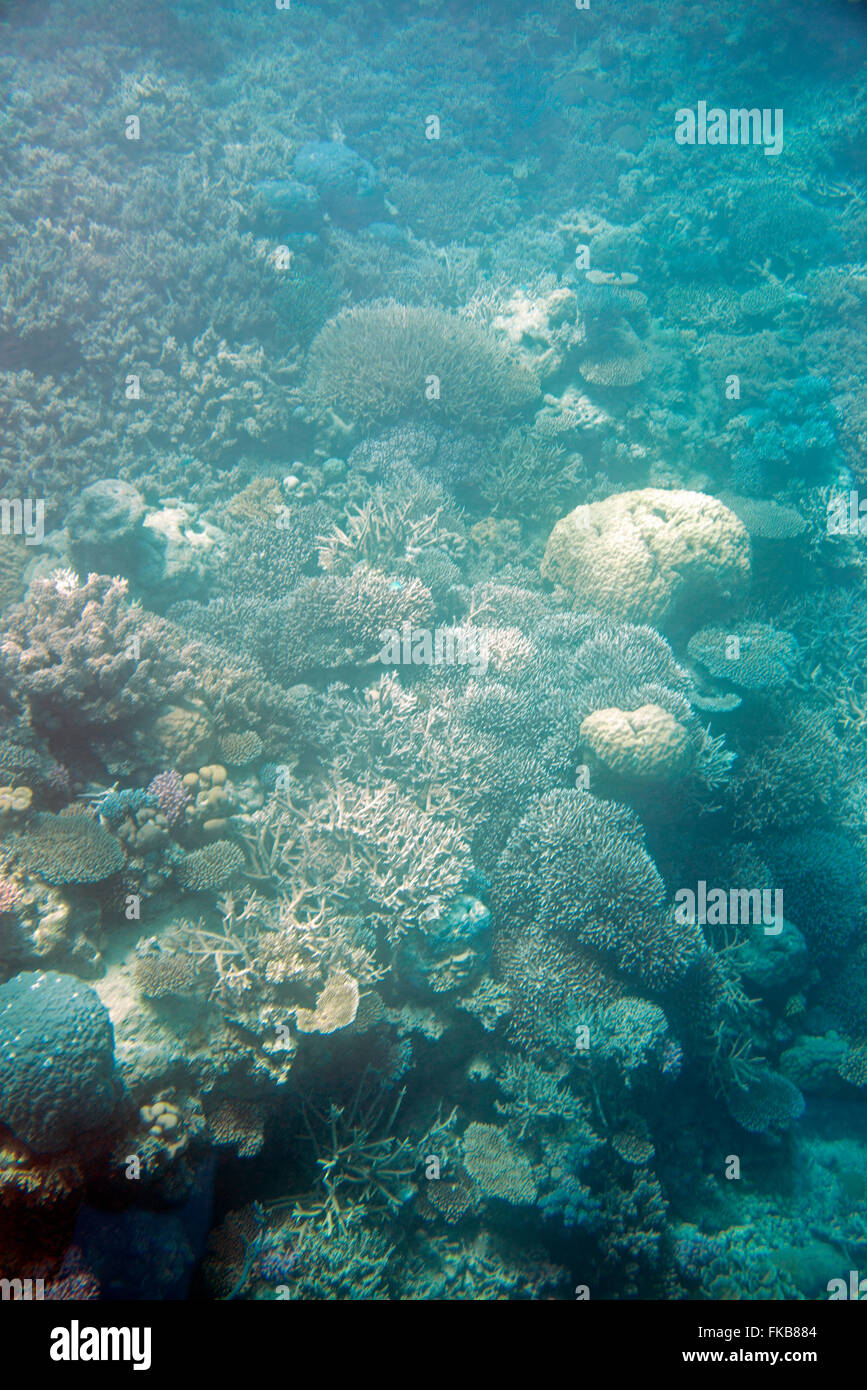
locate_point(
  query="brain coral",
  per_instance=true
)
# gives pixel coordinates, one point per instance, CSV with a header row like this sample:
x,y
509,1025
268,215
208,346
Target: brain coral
x,y
375,363
56,1060
646,742
640,556
67,849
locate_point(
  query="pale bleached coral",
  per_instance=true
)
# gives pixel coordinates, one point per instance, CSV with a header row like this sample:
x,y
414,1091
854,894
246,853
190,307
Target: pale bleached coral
x,y
645,742
639,556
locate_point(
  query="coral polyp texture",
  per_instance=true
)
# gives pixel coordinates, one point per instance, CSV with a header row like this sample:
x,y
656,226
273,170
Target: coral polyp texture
x,y
646,742
433,654
57,1082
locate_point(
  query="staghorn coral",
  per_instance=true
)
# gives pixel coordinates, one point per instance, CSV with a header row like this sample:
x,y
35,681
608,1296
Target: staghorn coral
x,y
391,527
539,1098
366,851
266,957
364,1165
350,1263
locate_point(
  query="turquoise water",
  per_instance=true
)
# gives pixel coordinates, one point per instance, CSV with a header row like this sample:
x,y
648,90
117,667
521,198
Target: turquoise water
x,y
433,763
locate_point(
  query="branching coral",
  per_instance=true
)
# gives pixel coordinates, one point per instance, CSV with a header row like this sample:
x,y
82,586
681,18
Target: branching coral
x,y
366,851
376,362
363,1164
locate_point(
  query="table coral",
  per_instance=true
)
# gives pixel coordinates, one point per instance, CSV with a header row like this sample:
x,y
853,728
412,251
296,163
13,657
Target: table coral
x,y
373,363
497,1166
753,656
66,849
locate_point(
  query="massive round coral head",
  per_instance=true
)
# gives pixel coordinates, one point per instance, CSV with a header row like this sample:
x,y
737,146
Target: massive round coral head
x,y
57,1080
645,556
645,742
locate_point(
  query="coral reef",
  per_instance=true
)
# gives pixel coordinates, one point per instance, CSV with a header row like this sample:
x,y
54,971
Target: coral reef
x,y
431,551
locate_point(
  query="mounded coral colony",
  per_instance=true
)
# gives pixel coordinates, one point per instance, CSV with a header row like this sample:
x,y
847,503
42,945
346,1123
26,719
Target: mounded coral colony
x,y
433,769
